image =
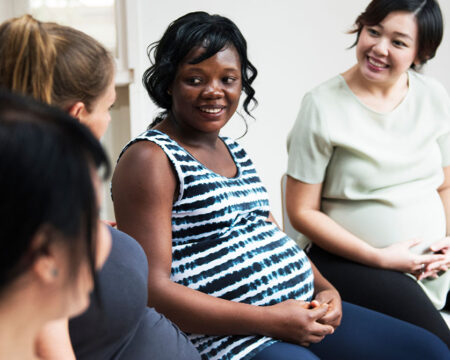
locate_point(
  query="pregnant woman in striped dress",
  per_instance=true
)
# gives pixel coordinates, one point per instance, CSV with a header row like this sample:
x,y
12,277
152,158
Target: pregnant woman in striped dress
x,y
219,266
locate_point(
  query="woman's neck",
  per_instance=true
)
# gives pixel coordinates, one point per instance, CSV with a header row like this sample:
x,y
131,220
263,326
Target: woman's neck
x,y
205,147
187,136
20,323
381,97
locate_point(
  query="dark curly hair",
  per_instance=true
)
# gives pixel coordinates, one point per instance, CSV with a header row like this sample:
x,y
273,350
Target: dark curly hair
x,y
429,22
213,32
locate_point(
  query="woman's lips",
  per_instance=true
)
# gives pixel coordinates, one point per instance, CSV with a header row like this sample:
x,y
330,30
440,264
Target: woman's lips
x,y
377,63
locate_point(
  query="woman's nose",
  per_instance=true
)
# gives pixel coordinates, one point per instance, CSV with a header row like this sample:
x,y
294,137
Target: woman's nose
x,y
212,90
381,47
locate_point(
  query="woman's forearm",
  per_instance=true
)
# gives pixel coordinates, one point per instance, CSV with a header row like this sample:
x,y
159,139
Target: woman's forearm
x,y
445,197
332,237
444,194
303,204
196,312
205,314
320,283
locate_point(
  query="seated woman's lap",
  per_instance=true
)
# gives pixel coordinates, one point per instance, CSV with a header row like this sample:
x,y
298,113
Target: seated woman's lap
x,y
388,292
365,334
285,351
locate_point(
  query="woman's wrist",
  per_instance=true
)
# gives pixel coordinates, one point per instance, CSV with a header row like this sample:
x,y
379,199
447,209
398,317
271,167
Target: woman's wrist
x,y
325,285
262,320
377,258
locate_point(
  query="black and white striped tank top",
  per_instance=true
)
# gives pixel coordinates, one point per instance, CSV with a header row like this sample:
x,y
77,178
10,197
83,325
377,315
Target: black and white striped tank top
x,y
223,245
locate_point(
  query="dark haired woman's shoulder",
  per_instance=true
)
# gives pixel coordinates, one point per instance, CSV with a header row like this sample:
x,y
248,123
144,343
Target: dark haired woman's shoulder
x,y
431,97
331,84
231,142
329,90
142,175
427,83
144,140
143,150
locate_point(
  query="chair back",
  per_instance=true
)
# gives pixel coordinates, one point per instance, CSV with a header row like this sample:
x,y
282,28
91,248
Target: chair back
x,y
287,226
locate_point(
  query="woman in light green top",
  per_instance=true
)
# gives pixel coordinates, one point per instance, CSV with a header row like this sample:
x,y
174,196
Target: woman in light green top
x,y
369,169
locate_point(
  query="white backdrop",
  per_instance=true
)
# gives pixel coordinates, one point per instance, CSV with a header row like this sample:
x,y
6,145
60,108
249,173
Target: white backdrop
x,y
295,45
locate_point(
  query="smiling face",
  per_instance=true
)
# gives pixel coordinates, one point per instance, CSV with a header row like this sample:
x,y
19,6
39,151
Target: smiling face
x,y
206,95
387,50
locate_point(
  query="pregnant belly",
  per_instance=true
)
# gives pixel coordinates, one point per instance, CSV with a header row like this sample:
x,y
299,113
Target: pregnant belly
x,y
381,224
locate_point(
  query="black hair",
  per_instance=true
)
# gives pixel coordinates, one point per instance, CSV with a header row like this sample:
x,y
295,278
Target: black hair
x,y
46,165
429,22
213,32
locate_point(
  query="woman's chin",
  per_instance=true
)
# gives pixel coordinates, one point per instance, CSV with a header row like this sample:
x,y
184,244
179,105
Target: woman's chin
x,y
80,308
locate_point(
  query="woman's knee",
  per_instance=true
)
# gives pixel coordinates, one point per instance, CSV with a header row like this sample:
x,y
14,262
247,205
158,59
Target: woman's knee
x,y
285,351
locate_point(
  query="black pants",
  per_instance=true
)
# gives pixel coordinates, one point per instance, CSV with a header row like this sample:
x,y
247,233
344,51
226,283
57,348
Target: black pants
x,y
386,291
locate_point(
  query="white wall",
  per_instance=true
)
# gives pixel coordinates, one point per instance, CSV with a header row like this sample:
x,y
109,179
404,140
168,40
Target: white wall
x,y
439,66
295,45
5,9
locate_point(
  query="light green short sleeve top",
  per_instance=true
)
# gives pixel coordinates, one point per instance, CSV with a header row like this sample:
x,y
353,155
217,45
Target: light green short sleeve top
x,y
380,171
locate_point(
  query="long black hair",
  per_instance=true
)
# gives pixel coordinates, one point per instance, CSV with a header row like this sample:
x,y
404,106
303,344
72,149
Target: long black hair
x,y
213,32
46,165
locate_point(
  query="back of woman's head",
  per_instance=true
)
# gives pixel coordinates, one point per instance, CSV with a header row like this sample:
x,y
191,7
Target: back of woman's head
x,y
53,63
213,33
46,171
428,15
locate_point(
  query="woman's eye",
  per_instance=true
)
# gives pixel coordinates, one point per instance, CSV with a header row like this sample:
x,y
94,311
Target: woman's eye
x,y
373,32
229,79
194,81
399,43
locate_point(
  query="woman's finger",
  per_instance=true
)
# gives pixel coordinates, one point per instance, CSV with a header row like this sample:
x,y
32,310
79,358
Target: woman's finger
x,y
322,330
428,259
441,244
331,318
315,339
429,274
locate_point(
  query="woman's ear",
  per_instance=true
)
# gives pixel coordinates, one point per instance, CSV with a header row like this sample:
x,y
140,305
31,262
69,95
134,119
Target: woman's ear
x,y
45,269
45,266
420,62
77,110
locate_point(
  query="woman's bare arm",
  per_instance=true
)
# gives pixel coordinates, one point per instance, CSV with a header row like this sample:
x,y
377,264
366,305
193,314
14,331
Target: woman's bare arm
x,y
303,207
444,193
